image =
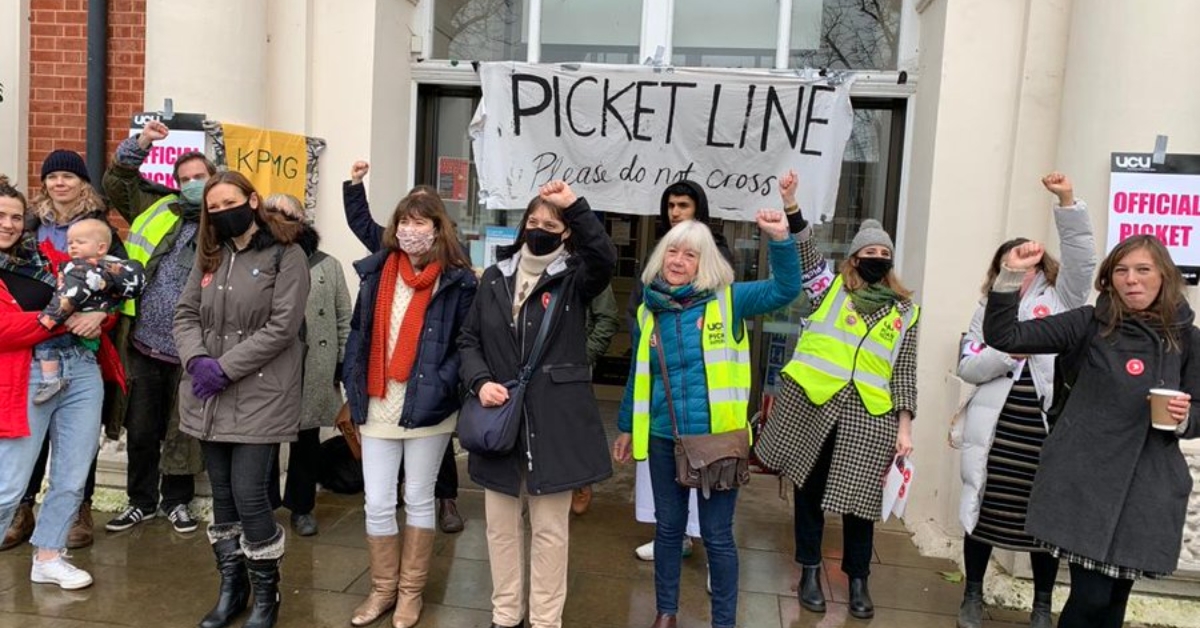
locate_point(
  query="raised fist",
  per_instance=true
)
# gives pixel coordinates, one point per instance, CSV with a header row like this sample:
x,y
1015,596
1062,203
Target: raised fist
x,y
772,223
1060,185
152,132
558,193
358,171
787,188
1024,256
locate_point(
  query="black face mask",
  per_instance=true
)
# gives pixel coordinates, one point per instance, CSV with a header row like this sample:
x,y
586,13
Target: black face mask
x,y
542,242
232,222
873,269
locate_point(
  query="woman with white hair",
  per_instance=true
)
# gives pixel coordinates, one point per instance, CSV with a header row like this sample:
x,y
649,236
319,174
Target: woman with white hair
x,y
693,317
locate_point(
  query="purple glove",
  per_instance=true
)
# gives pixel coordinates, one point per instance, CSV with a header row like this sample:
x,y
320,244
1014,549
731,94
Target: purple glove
x,y
208,380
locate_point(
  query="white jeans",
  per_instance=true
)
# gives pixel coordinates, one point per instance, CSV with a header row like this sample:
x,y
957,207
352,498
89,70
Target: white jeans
x,y
643,498
381,466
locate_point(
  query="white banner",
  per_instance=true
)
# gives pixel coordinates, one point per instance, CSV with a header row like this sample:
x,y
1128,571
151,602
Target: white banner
x,y
1162,200
619,134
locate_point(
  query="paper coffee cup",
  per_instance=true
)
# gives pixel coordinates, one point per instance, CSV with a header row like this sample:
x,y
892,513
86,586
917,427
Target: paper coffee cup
x,y
1160,418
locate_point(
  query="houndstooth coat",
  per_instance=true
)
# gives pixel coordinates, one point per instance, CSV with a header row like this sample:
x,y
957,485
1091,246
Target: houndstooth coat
x,y
864,446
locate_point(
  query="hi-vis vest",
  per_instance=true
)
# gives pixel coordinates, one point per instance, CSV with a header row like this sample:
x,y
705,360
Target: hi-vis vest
x,y
726,371
147,230
836,348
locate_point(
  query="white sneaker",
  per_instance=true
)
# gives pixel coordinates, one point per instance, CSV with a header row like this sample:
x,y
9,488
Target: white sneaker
x,y
646,552
59,571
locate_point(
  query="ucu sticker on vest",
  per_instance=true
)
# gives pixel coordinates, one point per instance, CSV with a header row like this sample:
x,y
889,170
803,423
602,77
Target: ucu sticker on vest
x,y
716,332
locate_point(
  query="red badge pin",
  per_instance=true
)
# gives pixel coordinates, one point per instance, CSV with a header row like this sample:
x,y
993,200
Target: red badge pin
x,y
898,324
850,320
205,280
1041,311
700,323
1135,367
545,300
976,347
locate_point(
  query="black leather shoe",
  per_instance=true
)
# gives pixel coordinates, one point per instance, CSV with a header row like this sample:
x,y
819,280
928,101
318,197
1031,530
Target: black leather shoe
x,y
861,605
234,593
520,625
264,612
809,590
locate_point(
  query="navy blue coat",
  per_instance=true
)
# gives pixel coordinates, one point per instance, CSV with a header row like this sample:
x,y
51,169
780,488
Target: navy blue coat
x,y
433,390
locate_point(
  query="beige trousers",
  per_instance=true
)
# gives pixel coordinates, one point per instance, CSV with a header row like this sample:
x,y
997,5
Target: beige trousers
x,y
550,517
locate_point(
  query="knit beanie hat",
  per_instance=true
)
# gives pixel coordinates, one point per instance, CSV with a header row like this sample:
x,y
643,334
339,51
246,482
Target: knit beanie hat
x,y
870,233
65,161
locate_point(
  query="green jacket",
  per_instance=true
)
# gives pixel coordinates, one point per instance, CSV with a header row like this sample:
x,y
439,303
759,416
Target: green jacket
x,y
603,321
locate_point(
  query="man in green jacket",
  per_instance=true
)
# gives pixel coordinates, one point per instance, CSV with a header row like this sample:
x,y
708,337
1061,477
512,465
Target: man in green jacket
x,y
162,235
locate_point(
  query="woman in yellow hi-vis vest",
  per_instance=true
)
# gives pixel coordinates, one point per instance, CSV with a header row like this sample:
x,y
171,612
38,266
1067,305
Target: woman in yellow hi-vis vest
x,y
691,369
845,404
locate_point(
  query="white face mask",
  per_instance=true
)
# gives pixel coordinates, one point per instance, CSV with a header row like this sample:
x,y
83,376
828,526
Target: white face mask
x,y
415,241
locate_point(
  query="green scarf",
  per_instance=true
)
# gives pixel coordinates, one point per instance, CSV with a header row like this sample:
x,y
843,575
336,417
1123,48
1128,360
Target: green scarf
x,y
868,300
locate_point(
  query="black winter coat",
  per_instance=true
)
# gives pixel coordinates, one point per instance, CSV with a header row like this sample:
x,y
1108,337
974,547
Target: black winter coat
x,y
433,390
562,445
1108,487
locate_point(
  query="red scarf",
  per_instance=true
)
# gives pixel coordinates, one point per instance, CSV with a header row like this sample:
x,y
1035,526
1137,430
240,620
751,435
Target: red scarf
x,y
404,354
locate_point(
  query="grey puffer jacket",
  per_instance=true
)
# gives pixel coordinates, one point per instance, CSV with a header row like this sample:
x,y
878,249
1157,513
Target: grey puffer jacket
x,y
995,371
247,315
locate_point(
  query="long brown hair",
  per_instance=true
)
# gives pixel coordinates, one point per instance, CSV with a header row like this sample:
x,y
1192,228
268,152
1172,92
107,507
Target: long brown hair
x,y
423,202
8,190
852,281
1049,266
208,246
1170,294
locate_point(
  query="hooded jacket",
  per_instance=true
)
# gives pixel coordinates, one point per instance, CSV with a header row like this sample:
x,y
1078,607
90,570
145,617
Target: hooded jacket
x,y
247,314
1108,486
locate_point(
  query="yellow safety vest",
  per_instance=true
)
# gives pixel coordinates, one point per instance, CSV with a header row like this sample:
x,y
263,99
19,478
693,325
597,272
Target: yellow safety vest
x,y
147,230
835,350
726,371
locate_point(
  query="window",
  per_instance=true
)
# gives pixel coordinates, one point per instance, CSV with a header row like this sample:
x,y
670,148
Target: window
x,y
721,33
847,34
480,30
592,31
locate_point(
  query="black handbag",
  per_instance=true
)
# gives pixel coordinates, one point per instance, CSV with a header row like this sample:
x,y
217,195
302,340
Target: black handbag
x,y
493,431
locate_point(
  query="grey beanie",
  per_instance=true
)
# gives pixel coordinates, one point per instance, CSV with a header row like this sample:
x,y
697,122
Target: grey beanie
x,y
870,233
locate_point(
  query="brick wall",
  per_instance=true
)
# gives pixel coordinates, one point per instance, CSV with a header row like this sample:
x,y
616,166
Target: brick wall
x,y
58,76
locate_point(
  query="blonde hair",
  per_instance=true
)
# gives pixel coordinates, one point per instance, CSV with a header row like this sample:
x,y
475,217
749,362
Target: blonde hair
x,y
714,271
277,201
93,227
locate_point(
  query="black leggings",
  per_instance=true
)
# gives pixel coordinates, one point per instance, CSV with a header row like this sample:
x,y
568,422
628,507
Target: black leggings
x,y
976,554
1096,601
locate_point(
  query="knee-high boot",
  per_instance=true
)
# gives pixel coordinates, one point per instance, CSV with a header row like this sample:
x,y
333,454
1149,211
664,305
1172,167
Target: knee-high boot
x,y
231,565
384,554
262,562
414,572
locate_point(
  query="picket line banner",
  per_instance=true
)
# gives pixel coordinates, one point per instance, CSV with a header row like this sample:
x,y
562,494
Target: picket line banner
x,y
619,134
186,135
1162,200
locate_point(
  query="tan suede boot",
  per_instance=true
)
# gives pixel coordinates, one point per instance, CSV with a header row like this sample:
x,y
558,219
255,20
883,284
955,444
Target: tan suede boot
x,y
414,572
385,572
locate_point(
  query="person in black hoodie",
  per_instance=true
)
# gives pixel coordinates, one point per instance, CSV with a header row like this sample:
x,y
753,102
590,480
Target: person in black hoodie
x,y
682,200
1111,493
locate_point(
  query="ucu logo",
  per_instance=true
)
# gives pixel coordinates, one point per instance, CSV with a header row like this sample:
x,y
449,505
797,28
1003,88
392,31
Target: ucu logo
x,y
1132,162
144,118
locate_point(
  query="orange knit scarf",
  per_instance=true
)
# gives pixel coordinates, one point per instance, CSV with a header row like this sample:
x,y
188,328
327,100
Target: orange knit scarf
x,y
404,354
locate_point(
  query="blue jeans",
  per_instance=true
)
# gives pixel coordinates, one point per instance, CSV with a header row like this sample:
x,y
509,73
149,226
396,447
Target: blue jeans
x,y
71,420
716,529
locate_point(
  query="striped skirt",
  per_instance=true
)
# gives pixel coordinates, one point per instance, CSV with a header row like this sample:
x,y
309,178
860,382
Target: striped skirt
x,y
1012,464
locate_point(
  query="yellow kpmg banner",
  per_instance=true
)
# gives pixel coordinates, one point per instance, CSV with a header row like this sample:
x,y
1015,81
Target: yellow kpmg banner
x,y
275,162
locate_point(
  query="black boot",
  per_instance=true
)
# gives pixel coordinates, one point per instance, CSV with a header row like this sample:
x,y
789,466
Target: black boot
x,y
1040,617
809,590
262,561
861,605
970,612
235,585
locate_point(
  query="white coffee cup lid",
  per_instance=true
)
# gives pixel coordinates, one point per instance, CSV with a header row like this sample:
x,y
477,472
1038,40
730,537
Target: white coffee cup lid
x,y
1165,391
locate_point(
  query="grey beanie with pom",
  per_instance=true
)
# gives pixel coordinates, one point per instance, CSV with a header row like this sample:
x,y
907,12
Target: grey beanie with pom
x,y
870,233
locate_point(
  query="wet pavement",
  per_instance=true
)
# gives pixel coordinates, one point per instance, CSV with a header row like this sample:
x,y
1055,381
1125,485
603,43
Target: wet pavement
x,y
151,576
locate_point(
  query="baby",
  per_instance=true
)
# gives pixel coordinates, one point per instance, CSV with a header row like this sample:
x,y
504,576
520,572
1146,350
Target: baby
x,y
92,281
